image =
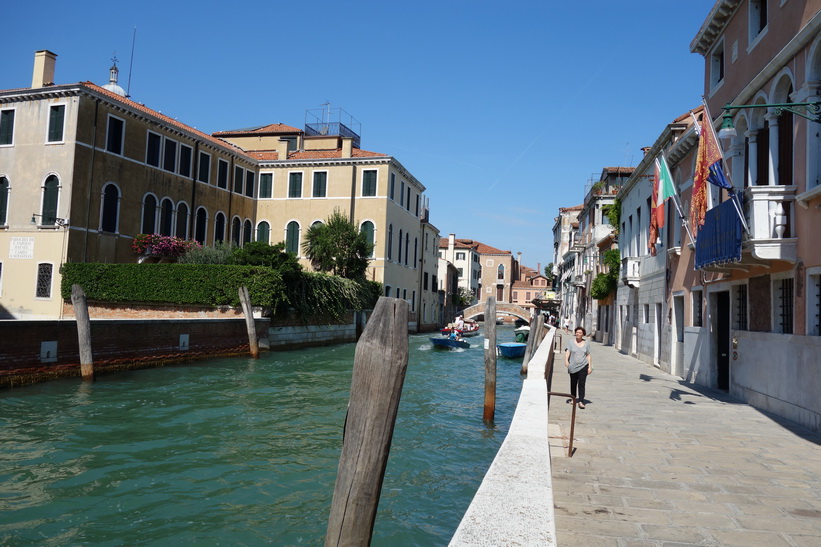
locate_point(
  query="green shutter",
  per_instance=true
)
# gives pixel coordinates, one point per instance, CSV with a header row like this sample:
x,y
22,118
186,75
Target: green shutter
x,y
6,126
55,123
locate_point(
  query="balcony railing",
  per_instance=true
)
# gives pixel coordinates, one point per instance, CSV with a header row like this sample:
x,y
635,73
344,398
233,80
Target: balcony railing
x,y
631,271
770,217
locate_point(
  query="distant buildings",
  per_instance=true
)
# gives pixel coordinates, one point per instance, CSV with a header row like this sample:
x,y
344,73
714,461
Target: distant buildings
x,y
736,307
84,169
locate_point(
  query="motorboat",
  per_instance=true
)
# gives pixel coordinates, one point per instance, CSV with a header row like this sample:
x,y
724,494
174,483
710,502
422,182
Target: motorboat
x,y
471,328
511,350
449,343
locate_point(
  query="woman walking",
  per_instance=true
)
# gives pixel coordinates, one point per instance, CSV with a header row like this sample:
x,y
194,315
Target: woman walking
x,y
577,359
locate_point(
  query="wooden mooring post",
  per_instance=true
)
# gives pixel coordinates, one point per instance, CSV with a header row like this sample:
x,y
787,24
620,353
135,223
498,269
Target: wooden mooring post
x,y
490,359
78,300
380,363
247,310
533,340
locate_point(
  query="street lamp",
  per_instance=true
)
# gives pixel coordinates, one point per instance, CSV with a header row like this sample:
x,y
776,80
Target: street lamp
x,y
810,111
61,222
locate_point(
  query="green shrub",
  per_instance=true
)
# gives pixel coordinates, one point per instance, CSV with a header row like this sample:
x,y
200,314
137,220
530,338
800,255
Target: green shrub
x,y
218,254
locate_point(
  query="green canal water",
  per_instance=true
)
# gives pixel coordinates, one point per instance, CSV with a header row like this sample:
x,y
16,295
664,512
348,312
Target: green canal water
x,y
240,452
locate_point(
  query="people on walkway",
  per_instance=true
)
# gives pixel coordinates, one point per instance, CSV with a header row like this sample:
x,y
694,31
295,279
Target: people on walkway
x,y
579,364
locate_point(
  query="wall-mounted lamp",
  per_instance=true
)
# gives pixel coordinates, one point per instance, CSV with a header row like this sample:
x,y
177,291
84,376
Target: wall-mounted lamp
x,y
49,220
810,111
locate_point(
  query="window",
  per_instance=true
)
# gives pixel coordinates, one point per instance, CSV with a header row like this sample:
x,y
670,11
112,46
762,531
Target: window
x,y
264,232
407,201
413,301
392,188
417,203
407,246
758,18
515,296
222,174
4,200
783,295
369,183
646,313
433,284
111,208
697,309
740,307
219,228
56,121
114,136
149,223
460,256
204,173
249,184
295,185
320,184
238,179
814,305
367,230
399,255
500,272
247,231
266,185
388,291
166,217
169,162
292,237
402,194
152,149
717,65
201,225
6,127
390,241
44,272
236,229
185,160
461,272
182,220
425,281
51,195
415,251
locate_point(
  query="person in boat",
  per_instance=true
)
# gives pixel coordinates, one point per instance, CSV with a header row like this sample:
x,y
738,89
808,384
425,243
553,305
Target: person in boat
x,y
459,323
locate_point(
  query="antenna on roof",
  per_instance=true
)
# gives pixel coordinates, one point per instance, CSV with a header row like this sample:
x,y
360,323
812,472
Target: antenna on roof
x,y
328,104
131,64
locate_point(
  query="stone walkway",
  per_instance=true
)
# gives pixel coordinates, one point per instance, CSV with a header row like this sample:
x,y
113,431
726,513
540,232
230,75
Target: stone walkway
x,y
663,463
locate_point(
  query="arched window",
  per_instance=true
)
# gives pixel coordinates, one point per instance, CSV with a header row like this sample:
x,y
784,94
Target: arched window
x,y
111,208
149,224
219,228
4,200
247,231
367,229
407,246
236,229
292,238
201,225
415,250
182,220
399,256
264,232
166,217
390,242
500,272
51,195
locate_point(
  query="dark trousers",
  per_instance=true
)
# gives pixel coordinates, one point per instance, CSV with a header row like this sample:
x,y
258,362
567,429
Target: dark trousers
x,y
578,379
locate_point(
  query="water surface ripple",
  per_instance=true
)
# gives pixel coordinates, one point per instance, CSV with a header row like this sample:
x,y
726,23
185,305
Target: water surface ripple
x,y
234,451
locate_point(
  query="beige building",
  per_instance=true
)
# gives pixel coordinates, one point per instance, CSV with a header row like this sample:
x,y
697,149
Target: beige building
x,y
84,169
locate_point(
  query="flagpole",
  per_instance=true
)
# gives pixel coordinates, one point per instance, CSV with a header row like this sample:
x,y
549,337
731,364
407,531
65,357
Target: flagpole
x,y
732,191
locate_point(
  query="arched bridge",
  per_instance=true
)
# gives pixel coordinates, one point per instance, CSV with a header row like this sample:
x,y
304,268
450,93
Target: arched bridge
x,y
502,308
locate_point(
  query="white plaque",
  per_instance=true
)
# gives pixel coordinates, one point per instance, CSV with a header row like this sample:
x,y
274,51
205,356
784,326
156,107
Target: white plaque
x,y
487,343
21,247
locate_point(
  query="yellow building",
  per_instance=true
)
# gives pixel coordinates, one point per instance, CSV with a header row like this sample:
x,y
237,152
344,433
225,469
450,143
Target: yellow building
x,y
93,169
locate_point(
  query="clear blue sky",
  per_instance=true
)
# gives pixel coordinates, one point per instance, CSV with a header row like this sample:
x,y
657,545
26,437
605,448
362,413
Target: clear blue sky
x,y
503,110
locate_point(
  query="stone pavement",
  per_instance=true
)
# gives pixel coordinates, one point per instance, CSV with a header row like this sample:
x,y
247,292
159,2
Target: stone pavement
x,y
661,462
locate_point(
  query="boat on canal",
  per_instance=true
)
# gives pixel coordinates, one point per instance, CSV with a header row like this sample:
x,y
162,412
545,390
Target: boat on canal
x,y
471,328
511,350
449,343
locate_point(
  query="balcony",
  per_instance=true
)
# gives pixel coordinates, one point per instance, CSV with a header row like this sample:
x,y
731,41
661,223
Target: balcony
x,y
631,271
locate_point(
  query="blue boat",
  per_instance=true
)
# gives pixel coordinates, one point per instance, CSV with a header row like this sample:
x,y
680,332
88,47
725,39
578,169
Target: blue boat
x,y
449,343
511,349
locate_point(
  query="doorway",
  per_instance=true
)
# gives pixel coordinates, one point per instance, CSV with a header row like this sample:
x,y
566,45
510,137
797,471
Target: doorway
x,y
723,340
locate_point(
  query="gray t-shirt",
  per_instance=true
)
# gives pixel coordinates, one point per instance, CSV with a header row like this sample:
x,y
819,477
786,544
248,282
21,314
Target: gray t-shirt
x,y
578,356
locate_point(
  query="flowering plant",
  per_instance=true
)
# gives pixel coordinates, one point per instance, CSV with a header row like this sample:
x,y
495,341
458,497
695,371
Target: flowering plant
x,y
165,246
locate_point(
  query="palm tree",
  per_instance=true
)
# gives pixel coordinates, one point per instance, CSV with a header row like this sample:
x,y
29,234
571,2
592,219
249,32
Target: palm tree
x,y
338,247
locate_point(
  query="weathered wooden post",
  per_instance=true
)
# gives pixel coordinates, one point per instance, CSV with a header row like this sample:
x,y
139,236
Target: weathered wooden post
x,y
376,385
490,359
78,300
250,325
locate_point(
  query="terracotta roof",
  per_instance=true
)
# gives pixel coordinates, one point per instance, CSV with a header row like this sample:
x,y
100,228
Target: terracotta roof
x,y
488,250
273,155
574,208
270,129
477,246
165,119
619,170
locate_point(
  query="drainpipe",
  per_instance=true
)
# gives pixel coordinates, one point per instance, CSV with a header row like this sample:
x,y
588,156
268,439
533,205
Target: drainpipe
x,y
90,179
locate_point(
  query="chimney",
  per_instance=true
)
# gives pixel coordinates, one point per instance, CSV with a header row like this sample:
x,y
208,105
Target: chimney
x,y
44,61
282,150
347,147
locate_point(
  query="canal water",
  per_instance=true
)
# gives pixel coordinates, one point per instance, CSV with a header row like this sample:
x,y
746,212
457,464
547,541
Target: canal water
x,y
235,451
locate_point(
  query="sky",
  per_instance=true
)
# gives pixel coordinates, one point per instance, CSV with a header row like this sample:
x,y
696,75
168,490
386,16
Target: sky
x,y
504,111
